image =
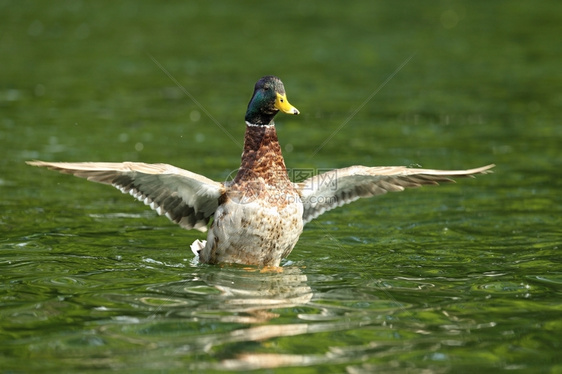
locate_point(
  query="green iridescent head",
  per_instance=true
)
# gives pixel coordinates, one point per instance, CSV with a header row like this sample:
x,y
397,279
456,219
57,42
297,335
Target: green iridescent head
x,y
269,98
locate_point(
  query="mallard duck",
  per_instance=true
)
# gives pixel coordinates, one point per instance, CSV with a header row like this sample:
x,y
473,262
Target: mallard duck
x,y
257,217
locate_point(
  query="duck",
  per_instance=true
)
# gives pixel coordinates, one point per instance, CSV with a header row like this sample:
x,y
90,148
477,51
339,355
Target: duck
x,y
257,217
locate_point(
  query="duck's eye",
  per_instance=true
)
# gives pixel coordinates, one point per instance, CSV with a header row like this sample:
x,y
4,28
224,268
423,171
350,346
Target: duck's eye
x,y
282,100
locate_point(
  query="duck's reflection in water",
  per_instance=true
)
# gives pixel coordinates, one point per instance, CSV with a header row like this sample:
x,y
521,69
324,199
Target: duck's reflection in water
x,y
251,297
249,294
236,310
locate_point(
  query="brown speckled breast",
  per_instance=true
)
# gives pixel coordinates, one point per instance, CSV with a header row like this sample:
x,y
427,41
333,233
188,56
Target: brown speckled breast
x,y
259,219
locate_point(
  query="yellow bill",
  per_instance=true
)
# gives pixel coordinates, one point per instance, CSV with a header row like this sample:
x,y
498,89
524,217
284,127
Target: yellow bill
x,y
283,105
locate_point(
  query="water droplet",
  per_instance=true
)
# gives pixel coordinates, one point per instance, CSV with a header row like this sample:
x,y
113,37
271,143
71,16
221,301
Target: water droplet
x,y
195,115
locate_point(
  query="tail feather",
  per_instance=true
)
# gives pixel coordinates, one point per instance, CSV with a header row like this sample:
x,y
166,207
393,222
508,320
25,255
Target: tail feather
x,y
197,246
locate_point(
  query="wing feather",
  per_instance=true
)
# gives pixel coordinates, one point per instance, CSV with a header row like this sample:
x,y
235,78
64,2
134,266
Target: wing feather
x,y
186,198
338,187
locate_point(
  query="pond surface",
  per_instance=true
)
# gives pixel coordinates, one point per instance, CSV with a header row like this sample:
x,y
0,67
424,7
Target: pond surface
x,y
457,278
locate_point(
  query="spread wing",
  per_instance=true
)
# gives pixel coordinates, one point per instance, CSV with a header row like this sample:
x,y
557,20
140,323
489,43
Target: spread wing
x,y
335,188
186,198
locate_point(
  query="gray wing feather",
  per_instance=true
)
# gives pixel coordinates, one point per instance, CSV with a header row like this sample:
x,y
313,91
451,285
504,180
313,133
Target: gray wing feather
x,y
186,198
335,188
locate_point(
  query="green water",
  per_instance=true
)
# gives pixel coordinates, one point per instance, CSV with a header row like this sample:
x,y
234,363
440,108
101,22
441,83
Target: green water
x,y
457,278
